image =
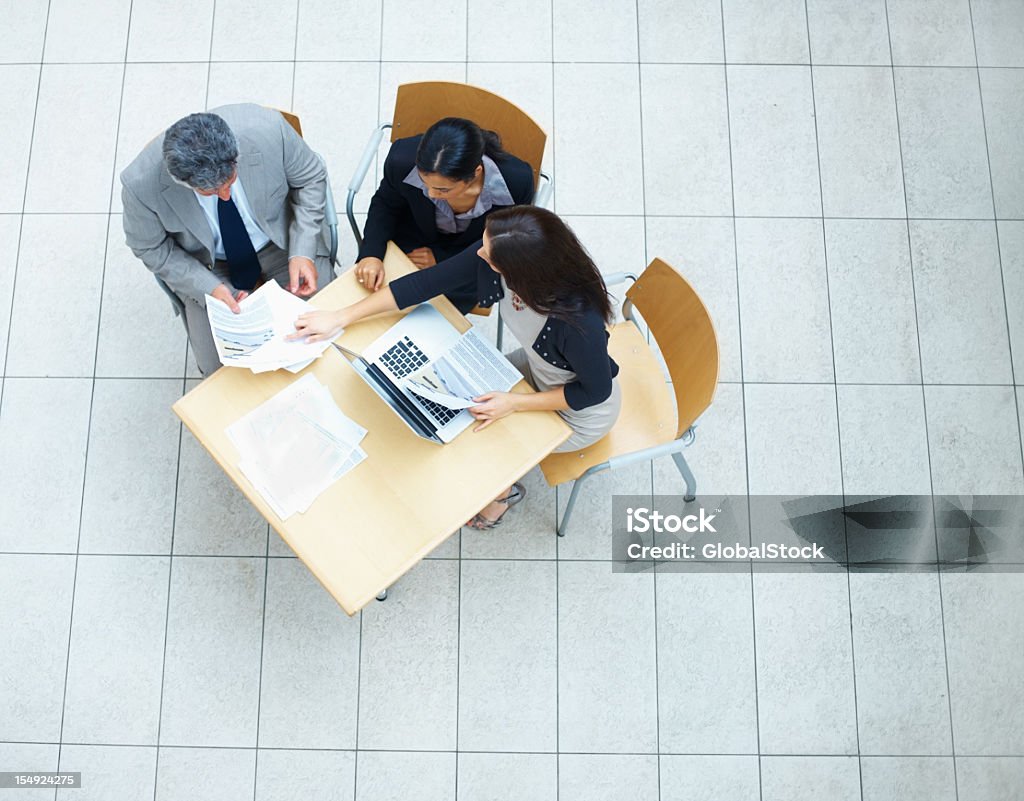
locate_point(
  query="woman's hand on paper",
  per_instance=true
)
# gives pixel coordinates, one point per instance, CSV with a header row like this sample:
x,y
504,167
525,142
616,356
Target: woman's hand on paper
x,y
493,406
319,325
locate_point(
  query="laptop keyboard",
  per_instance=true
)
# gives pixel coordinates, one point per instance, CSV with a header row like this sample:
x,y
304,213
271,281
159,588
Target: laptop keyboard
x,y
403,358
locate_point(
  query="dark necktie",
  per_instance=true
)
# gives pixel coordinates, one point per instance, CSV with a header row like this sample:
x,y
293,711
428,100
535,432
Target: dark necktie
x,y
243,265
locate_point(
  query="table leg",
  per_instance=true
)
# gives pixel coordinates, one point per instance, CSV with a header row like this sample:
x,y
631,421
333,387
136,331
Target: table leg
x,y
382,595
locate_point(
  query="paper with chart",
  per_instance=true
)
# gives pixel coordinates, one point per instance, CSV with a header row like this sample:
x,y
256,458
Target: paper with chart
x,y
469,368
257,337
295,445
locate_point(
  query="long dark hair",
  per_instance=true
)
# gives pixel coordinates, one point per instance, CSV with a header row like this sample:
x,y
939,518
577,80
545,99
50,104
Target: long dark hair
x,y
544,263
453,147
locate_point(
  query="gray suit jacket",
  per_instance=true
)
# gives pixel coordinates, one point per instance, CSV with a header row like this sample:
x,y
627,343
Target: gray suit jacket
x,y
285,183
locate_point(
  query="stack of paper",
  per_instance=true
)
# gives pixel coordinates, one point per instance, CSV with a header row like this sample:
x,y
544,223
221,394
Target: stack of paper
x,y
295,445
256,337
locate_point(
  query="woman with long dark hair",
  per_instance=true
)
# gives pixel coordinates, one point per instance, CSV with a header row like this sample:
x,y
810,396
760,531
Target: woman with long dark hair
x,y
553,300
436,193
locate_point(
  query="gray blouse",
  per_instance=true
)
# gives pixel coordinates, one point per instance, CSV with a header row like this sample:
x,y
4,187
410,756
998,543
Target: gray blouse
x,y
494,193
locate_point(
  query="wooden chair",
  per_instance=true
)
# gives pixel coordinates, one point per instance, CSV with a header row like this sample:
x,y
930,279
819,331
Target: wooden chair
x,y
650,424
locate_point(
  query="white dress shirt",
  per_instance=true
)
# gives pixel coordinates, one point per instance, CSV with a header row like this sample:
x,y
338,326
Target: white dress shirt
x,y
208,203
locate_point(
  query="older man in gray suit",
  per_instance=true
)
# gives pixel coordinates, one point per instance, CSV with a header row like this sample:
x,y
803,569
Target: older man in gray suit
x,y
220,203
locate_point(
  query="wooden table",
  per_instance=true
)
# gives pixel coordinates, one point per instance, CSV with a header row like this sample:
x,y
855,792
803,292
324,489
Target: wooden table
x,y
408,496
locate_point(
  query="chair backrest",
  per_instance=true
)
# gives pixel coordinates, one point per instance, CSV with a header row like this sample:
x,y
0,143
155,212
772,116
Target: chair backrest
x,y
682,327
420,105
292,120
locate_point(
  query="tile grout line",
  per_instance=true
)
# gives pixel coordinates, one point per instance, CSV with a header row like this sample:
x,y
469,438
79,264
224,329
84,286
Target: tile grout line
x,y
835,388
506,61
558,561
999,249
924,406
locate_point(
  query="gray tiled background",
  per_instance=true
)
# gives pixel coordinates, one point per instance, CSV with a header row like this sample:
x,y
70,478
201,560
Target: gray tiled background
x,y
842,180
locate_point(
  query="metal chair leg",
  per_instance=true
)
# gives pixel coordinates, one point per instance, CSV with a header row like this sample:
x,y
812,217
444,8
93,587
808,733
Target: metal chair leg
x,y
564,525
687,474
382,595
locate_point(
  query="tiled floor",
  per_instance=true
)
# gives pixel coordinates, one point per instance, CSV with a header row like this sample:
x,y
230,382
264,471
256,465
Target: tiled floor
x,y
843,181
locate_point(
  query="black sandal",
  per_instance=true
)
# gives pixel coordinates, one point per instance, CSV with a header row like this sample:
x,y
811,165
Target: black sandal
x,y
515,495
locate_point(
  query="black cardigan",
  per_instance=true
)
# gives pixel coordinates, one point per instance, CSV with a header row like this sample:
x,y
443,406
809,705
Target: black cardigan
x,y
581,347
401,212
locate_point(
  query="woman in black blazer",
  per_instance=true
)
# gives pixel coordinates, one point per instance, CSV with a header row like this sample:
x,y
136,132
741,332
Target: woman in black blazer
x,y
434,198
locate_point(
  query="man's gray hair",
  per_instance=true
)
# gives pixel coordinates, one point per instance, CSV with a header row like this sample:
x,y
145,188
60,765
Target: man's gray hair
x,y
200,151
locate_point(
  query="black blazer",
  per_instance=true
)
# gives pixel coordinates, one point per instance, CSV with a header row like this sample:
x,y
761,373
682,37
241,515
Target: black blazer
x,y
402,213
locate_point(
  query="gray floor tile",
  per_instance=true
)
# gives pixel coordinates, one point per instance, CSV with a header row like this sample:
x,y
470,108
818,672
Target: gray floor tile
x,y
805,681
310,681
128,500
527,533
89,94
500,32
28,757
792,440
36,625
160,32
1011,250
980,779
962,322
80,32
858,142
944,162
43,467
931,33
324,34
615,243
254,30
702,250
507,656
706,634
902,702
184,774
593,178
400,775
594,32
871,292
884,440
74,240
848,31
998,30
18,86
809,778
1001,92
680,30
133,302
212,667
589,533
212,515
686,140
409,662
405,22
786,335
508,777
29,20
300,775
974,441
774,157
337,104
109,773
709,778
765,32
909,778
10,227
718,455
117,640
984,639
592,777
605,632
268,83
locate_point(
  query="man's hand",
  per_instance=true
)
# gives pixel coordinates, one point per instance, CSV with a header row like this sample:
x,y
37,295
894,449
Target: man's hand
x,y
493,406
223,294
301,276
370,273
422,257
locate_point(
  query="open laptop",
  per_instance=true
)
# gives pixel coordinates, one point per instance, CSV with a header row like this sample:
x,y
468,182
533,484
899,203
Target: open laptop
x,y
421,336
